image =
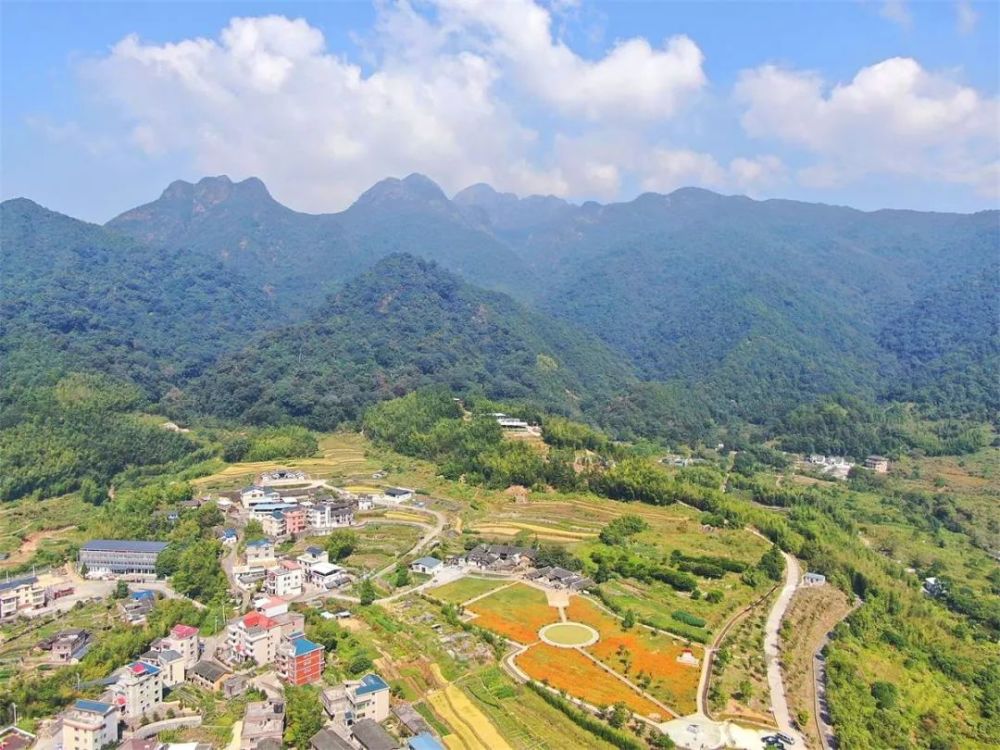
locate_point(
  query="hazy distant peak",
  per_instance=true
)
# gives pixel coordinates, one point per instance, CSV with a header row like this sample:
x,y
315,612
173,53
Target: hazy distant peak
x,y
211,190
413,189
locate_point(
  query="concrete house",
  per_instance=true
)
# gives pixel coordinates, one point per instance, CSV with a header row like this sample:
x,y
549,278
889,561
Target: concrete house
x,y
19,594
259,552
286,579
139,689
89,725
263,723
425,565
209,675
300,661
878,464
367,698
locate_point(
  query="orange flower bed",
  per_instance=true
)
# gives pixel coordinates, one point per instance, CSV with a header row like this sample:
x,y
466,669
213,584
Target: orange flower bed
x,y
655,655
517,612
567,669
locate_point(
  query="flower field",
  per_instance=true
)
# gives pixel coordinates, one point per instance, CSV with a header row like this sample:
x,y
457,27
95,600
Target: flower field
x,y
646,658
517,612
568,669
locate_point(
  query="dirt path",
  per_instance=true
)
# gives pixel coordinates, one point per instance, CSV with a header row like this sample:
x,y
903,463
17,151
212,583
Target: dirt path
x,y
30,544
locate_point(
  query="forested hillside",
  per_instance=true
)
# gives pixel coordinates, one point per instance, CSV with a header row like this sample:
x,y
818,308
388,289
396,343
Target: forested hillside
x,y
402,325
681,313
77,297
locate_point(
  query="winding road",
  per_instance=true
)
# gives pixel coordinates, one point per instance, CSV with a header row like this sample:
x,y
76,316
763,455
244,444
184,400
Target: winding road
x,y
776,685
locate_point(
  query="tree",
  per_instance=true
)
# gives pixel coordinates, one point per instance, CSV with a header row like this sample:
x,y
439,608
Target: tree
x,y
121,590
341,543
772,563
367,593
303,715
619,715
402,577
885,694
628,619
744,691
253,531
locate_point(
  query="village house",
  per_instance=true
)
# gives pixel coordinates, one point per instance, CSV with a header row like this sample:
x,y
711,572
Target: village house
x,y
371,736
366,502
426,565
260,552
397,495
263,722
67,646
283,475
120,557
327,739
136,610
326,516
300,661
19,595
209,675
367,698
328,576
89,725
813,579
14,738
423,741
878,464
228,536
139,689
169,662
256,495
561,578
273,523
296,520
235,685
285,579
184,640
256,636
312,556
500,557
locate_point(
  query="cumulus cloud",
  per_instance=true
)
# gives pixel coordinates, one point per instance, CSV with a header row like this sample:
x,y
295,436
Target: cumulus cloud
x,y
451,88
893,117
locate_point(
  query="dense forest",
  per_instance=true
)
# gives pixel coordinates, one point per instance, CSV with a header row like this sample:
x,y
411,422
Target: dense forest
x,y
682,317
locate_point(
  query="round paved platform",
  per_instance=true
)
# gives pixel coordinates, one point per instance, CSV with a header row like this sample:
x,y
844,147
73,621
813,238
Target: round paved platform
x,y
568,634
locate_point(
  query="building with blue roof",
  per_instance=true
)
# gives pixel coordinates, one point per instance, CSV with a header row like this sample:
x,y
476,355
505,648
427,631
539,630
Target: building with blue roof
x,y
424,741
121,556
89,724
354,700
425,565
300,661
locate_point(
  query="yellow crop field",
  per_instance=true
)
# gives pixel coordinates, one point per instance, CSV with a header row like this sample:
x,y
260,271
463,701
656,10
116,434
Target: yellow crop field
x,y
473,731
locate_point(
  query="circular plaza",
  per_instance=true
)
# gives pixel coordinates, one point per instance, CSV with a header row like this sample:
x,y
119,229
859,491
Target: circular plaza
x,y
568,635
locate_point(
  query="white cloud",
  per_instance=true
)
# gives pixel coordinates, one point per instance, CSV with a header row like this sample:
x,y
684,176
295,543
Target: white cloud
x,y
893,117
967,16
669,169
897,11
451,88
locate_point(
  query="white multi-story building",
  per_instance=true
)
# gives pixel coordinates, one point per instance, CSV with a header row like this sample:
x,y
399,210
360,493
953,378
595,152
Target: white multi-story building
x,y
367,698
324,517
185,641
312,556
89,725
273,523
139,689
286,579
18,594
254,637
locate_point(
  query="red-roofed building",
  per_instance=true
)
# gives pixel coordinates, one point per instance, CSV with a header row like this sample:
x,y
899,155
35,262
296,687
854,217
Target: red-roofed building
x,y
185,641
254,637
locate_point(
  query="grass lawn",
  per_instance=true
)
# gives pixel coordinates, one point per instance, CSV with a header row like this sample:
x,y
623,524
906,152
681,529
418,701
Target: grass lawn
x,y
464,589
516,612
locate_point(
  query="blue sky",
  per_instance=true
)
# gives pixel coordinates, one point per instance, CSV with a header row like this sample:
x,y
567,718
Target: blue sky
x,y
870,104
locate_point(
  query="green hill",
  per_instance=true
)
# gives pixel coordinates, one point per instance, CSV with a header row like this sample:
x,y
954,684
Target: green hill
x,y
404,324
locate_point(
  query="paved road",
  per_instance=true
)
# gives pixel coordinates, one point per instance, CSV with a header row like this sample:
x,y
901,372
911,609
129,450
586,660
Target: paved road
x,y
779,704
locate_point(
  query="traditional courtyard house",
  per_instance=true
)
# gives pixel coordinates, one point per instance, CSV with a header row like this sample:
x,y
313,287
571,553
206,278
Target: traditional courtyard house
x,y
89,725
